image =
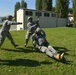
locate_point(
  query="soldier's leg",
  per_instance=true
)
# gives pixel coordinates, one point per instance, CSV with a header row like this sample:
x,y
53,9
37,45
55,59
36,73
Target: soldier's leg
x,y
8,35
52,49
51,54
46,50
2,38
55,53
34,44
27,38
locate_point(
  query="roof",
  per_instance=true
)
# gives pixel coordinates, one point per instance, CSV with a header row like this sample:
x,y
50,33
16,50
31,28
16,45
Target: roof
x,y
37,10
70,15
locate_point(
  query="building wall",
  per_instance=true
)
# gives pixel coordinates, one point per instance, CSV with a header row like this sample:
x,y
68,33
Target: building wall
x,y
61,22
20,18
13,27
44,21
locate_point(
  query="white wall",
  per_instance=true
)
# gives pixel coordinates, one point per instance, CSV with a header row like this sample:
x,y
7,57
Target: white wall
x,y
45,22
20,18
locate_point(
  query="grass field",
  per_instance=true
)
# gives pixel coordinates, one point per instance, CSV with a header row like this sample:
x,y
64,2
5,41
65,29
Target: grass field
x,y
25,61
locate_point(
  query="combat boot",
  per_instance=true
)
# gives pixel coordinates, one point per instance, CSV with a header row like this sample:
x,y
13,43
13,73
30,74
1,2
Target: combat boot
x,y
57,56
61,56
16,46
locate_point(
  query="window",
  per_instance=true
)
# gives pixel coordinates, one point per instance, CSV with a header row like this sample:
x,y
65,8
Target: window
x,y
29,13
46,14
38,14
53,15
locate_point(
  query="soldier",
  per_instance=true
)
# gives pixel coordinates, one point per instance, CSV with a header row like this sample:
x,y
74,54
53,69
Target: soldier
x,y
32,25
4,32
39,38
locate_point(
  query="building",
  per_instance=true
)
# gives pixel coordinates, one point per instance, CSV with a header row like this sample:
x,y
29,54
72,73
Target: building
x,y
47,19
70,20
70,17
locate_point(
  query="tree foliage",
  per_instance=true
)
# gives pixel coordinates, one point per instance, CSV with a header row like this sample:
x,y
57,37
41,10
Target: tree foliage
x,y
49,5
53,9
74,12
23,4
44,5
39,4
70,10
17,7
62,8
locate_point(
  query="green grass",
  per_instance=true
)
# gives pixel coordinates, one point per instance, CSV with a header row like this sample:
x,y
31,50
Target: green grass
x,y
25,61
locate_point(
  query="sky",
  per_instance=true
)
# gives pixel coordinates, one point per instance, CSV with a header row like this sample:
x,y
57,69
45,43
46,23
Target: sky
x,y
7,6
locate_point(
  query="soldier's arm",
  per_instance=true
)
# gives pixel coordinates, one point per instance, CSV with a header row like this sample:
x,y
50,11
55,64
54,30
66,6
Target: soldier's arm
x,y
14,23
30,27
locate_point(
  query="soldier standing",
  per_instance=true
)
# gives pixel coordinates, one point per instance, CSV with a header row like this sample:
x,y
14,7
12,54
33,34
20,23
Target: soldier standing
x,y
4,32
32,25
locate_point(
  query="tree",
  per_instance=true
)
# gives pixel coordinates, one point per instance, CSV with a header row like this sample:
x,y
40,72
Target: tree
x,y
53,9
62,8
70,10
47,5
38,4
74,12
17,7
44,5
23,4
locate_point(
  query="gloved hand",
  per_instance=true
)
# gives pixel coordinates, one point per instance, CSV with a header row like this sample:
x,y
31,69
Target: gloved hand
x,y
19,22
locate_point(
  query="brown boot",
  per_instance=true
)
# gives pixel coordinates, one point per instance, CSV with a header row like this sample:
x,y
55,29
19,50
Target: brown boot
x,y
61,56
57,56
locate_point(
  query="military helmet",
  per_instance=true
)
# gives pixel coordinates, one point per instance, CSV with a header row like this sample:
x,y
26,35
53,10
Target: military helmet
x,y
9,16
29,18
38,29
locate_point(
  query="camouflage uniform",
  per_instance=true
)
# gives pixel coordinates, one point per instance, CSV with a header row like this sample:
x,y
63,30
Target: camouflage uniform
x,y
4,32
31,29
43,45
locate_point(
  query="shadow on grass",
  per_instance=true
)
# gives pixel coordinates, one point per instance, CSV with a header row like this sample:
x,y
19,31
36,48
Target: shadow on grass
x,y
25,50
64,61
23,62
61,50
30,50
